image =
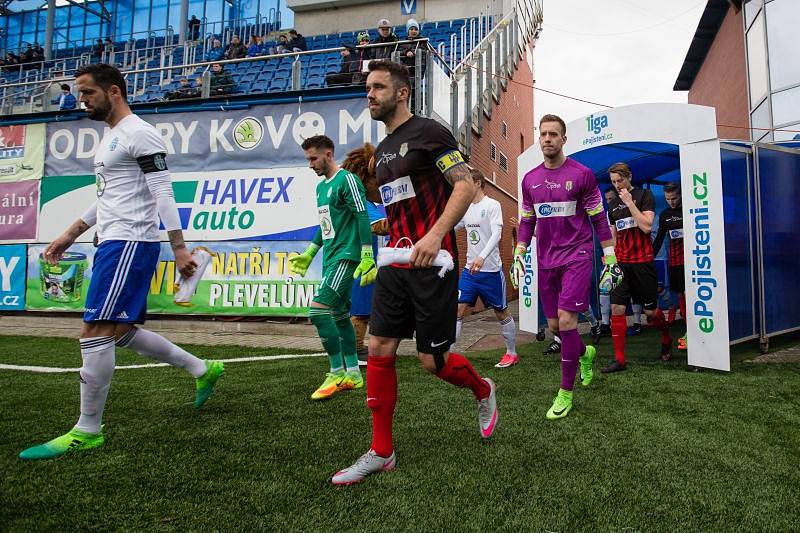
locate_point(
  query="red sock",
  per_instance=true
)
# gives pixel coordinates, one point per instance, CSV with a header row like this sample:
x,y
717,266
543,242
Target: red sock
x,y
672,312
658,321
458,371
381,399
682,304
619,329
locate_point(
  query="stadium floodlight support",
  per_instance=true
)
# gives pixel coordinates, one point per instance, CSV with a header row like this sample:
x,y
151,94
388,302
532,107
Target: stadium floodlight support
x,y
183,27
49,29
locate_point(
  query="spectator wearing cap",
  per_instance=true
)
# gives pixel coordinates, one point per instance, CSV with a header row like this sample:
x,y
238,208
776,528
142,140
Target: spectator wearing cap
x,y
297,43
66,100
385,36
353,58
408,55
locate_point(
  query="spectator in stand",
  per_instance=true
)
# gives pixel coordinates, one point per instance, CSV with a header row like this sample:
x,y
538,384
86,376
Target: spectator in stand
x,y
216,52
236,49
108,47
408,56
221,80
97,49
67,100
11,62
385,36
352,60
297,43
38,52
194,28
185,90
254,48
283,45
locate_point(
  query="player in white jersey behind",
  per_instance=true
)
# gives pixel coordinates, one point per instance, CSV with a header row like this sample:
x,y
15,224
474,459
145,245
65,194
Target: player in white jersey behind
x,y
483,274
133,190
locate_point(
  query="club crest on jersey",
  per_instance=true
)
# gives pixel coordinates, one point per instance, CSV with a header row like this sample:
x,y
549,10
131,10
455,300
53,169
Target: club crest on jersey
x,y
403,149
568,185
158,161
113,144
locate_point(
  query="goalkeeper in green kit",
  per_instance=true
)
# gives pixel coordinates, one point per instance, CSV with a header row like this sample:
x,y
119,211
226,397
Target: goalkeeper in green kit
x,y
345,236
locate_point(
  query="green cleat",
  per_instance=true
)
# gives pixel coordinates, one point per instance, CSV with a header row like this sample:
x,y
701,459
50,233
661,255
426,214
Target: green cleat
x,y
205,383
352,380
562,405
75,440
586,361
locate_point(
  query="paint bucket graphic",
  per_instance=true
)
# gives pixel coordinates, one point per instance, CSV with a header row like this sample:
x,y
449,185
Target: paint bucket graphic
x,y
63,282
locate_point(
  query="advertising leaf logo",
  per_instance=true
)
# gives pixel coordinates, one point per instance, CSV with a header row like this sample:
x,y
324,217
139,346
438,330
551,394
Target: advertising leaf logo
x,y
248,133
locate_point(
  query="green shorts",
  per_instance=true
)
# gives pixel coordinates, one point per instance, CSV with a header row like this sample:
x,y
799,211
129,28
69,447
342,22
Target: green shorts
x,y
337,283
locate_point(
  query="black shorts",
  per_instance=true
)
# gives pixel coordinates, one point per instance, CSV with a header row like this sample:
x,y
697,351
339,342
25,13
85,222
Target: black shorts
x,y
639,283
416,300
677,281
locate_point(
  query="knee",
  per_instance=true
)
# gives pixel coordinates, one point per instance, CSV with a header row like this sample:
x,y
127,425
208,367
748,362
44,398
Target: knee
x,y
433,363
502,315
617,309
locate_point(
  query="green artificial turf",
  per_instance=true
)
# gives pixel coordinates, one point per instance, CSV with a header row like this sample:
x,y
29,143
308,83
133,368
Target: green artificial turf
x,y
656,448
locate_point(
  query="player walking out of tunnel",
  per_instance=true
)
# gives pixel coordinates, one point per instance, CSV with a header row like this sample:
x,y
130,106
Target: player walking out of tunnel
x,y
134,189
346,241
483,274
670,224
426,188
631,216
561,202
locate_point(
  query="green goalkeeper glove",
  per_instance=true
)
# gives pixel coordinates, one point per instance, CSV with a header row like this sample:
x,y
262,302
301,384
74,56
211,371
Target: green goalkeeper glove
x,y
367,268
517,272
299,263
611,276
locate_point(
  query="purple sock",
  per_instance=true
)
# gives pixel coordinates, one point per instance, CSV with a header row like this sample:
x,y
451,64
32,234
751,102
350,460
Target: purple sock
x,y
571,349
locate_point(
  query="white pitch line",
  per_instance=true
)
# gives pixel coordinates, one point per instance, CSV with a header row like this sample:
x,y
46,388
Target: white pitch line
x,y
57,370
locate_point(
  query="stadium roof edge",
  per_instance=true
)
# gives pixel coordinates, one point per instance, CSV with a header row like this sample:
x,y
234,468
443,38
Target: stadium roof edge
x,y
710,22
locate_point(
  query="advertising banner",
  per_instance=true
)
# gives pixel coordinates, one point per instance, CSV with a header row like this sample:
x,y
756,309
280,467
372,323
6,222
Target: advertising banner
x,y
19,206
12,277
21,152
243,278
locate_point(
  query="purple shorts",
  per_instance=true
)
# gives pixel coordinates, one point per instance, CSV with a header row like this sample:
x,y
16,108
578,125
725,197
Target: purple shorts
x,y
565,287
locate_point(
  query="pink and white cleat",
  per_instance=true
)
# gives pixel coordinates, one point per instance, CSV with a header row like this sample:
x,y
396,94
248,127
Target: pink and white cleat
x,y
369,463
508,360
487,411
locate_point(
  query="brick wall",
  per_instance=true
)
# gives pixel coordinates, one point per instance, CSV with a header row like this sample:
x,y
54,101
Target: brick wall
x,y
722,80
516,110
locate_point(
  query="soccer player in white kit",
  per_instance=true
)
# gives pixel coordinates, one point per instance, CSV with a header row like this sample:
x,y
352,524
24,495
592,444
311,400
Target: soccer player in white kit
x,y
483,274
133,190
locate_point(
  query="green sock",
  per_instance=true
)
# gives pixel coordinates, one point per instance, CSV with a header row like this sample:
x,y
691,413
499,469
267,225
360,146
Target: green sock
x,y
329,334
347,338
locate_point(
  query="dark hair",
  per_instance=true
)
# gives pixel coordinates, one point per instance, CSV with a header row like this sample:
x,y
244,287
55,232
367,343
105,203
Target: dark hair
x,y
105,76
64,87
478,176
622,169
398,72
318,141
672,187
610,190
292,32
554,118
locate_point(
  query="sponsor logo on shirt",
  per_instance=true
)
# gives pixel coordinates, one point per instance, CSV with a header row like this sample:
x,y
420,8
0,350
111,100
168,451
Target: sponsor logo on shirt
x,y
397,190
626,223
386,157
552,185
676,234
326,223
474,237
555,209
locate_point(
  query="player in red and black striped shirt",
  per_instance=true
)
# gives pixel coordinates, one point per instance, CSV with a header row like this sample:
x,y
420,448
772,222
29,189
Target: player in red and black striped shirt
x,y
426,187
631,217
670,224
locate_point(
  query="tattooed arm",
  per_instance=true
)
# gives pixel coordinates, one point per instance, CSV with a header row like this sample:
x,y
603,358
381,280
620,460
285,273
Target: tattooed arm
x,y
426,249
55,250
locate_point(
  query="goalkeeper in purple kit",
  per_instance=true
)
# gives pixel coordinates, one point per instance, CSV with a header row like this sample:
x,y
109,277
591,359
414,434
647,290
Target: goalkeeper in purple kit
x,y
561,197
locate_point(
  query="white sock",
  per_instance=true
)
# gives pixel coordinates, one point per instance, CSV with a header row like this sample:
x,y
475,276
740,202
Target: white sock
x,y
98,367
589,314
509,329
156,347
637,313
556,338
458,328
605,308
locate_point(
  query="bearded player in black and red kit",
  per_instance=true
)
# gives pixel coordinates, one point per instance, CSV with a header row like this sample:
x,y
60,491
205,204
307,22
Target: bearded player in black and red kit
x,y
426,187
670,224
631,216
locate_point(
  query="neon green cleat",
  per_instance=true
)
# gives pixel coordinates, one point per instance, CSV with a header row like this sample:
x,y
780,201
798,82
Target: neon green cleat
x,y
352,380
562,405
586,362
205,383
75,440
329,386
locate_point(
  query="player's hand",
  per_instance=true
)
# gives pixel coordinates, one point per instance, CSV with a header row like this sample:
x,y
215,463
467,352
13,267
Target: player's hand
x,y
55,250
476,265
299,264
625,196
611,276
425,251
185,262
517,272
513,222
367,268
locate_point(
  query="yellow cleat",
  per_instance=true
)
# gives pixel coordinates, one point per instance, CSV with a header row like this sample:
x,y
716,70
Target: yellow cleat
x,y
352,380
329,386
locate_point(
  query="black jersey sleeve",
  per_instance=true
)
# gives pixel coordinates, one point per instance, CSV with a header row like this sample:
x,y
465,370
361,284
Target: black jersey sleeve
x,y
662,232
648,201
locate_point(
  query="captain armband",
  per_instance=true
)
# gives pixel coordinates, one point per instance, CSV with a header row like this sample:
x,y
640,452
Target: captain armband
x,y
152,163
